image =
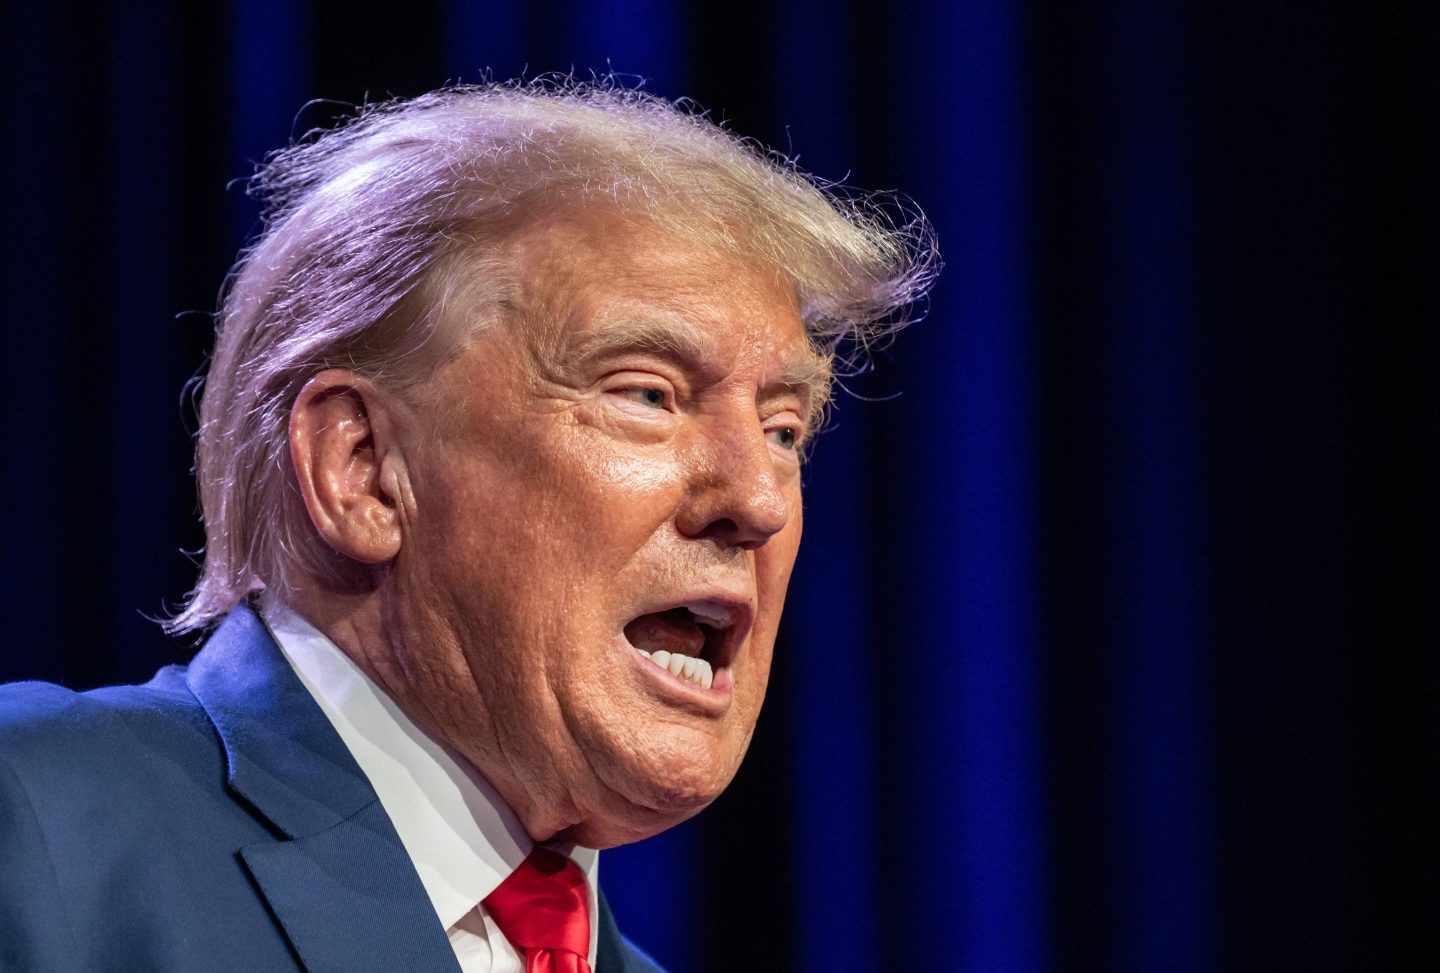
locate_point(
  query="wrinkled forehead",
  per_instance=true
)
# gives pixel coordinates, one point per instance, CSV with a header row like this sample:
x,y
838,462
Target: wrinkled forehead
x,y
597,276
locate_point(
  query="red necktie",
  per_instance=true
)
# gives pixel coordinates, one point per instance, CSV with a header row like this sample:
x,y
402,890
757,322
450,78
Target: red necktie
x,y
542,908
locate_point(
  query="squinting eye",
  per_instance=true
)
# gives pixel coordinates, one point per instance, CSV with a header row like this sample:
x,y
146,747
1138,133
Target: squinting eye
x,y
653,397
784,437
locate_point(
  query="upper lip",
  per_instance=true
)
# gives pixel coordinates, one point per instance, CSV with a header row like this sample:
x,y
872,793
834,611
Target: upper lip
x,y
729,614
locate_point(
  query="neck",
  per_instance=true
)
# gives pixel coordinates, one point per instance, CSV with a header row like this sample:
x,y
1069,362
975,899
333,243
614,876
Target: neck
x,y
428,678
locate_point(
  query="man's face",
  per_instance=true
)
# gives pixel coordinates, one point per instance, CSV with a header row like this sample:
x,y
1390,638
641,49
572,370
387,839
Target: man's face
x,y
614,470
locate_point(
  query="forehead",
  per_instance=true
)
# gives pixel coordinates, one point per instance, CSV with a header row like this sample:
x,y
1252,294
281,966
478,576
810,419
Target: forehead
x,y
597,278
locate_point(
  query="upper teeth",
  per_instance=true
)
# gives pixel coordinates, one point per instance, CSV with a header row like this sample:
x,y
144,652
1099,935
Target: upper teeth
x,y
696,670
710,614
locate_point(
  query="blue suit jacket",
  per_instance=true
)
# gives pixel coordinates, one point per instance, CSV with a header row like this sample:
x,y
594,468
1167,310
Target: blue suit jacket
x,y
211,820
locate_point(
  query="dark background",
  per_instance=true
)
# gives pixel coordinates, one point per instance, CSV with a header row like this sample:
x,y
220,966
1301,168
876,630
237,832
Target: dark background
x,y
1114,641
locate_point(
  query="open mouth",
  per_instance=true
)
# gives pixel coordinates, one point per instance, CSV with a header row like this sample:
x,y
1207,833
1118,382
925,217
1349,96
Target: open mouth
x,y
689,641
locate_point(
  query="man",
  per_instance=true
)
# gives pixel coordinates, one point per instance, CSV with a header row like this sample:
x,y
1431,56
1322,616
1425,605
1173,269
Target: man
x,y
499,460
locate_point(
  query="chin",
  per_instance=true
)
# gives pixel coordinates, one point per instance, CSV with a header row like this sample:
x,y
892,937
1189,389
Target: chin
x,y
611,833
641,801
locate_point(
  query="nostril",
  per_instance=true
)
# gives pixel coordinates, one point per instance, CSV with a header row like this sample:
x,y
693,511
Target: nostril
x,y
728,533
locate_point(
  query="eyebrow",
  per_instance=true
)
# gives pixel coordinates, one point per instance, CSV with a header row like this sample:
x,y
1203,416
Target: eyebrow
x,y
680,339
803,372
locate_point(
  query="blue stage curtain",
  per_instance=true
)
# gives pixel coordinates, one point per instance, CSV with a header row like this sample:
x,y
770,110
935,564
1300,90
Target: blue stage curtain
x,y
1096,635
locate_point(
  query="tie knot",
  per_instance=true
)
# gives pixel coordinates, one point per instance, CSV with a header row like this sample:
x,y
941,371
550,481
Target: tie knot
x,y
543,906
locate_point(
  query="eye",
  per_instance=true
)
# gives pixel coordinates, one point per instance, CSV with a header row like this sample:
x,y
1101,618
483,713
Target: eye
x,y
650,396
786,437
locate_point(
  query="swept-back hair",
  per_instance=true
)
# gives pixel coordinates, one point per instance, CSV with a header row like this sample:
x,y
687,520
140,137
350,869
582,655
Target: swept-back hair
x,y
381,253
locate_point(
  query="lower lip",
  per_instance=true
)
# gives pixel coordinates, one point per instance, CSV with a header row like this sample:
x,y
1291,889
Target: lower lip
x,y
712,702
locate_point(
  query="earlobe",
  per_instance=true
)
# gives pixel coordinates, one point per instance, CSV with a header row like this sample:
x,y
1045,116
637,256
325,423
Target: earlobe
x,y
350,483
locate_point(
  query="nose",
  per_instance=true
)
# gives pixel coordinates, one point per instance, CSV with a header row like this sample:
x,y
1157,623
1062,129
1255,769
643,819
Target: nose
x,y
735,497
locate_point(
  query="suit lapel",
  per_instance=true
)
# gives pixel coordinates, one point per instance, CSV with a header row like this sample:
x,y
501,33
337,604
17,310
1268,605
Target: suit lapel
x,y
348,901
339,881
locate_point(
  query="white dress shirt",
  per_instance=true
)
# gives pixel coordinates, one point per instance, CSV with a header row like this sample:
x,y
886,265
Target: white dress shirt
x,y
462,838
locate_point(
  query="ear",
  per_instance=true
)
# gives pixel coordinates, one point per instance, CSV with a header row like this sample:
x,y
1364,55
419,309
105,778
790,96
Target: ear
x,y
347,465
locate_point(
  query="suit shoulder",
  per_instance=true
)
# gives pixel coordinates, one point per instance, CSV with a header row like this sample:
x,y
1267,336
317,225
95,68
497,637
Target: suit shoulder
x,y
55,726
34,714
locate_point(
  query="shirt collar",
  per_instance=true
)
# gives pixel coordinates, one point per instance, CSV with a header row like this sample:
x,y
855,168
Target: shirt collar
x,y
462,838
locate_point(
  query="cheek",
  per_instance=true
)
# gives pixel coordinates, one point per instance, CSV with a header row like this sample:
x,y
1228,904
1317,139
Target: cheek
x,y
554,489
620,494
606,509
